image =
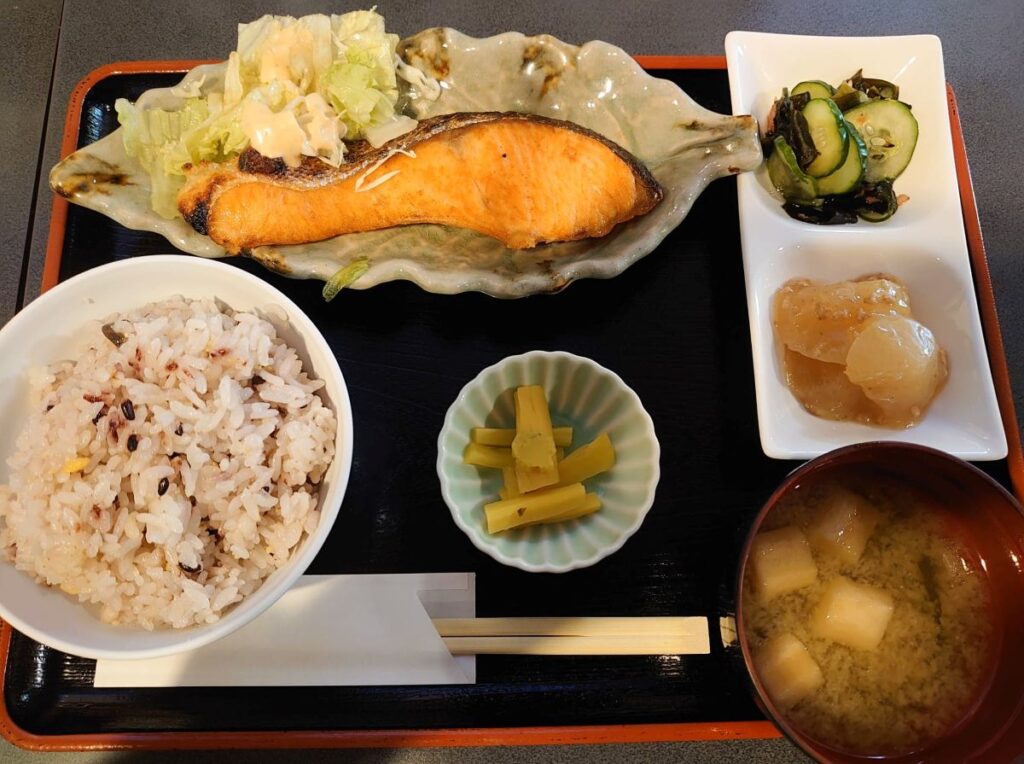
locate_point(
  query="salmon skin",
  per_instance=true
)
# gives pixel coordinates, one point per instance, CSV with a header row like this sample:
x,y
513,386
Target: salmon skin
x,y
520,178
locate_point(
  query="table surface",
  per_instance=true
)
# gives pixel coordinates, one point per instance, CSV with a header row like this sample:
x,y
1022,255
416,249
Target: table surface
x,y
51,45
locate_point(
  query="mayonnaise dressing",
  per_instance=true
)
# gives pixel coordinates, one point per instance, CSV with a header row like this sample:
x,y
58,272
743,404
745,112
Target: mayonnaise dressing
x,y
284,115
296,52
323,129
273,134
307,126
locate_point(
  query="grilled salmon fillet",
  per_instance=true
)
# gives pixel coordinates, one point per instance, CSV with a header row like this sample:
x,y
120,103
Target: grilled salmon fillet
x,y
520,178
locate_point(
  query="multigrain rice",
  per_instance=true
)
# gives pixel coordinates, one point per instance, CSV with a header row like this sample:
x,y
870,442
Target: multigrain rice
x,y
171,468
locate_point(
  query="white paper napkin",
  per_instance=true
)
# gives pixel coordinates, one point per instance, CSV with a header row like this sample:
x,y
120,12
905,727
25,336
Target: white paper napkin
x,y
327,630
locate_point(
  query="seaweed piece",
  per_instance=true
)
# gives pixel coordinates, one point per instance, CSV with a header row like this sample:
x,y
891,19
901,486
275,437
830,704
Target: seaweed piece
x,y
846,97
875,202
800,100
832,210
789,122
874,88
930,579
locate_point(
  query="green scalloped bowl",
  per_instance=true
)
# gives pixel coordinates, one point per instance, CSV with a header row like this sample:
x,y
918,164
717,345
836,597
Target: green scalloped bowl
x,y
587,397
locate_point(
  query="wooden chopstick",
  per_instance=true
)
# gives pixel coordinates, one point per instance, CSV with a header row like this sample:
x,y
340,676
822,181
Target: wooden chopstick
x,y
575,636
569,626
576,645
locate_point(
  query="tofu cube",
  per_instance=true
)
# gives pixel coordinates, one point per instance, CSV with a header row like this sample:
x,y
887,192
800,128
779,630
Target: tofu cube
x,y
787,670
781,562
852,614
843,527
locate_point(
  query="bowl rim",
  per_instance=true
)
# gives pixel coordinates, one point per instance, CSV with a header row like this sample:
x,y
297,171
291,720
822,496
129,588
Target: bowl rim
x,y
794,477
576,563
196,636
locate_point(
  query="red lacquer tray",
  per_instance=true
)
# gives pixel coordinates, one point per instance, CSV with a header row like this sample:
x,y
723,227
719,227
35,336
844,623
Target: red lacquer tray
x,y
70,722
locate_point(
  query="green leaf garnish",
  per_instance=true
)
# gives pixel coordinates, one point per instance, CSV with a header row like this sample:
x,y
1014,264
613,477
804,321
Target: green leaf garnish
x,y
345,277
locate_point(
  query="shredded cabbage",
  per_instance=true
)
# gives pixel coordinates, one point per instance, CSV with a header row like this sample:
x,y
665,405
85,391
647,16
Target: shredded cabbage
x,y
155,138
361,84
399,125
292,88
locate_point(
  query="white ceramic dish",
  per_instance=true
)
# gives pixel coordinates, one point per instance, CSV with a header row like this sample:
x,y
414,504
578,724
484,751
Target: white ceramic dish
x,y
45,331
589,398
923,244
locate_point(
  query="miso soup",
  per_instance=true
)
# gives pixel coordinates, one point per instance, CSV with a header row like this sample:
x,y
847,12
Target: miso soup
x,y
896,619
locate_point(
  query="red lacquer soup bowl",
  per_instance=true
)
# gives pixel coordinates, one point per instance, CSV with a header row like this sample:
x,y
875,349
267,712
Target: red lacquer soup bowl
x,y
989,523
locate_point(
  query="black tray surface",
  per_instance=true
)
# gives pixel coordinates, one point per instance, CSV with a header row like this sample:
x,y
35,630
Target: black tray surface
x,y
674,326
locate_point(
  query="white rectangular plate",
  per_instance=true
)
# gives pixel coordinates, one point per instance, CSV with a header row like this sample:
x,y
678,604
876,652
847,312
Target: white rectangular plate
x,y
923,245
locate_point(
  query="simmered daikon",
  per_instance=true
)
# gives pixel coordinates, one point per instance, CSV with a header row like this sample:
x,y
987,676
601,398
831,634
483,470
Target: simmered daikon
x,y
821,320
899,366
853,351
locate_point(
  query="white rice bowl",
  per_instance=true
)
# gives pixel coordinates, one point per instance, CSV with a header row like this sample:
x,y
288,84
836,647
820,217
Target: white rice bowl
x,y
52,328
170,468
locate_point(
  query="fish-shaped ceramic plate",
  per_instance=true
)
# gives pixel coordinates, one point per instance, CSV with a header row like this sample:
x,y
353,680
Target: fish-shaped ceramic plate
x,y
596,85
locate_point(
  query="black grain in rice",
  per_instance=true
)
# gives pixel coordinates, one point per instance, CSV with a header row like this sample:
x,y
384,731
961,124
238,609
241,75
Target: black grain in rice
x,y
113,335
128,409
133,442
161,489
